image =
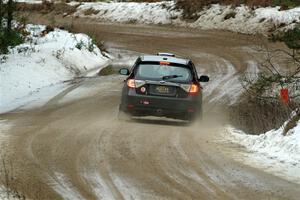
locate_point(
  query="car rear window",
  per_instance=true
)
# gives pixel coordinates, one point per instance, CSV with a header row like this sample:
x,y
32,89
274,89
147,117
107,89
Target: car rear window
x,y
151,71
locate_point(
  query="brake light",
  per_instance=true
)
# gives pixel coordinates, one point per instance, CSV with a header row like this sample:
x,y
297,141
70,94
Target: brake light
x,y
164,63
194,89
191,110
130,106
131,83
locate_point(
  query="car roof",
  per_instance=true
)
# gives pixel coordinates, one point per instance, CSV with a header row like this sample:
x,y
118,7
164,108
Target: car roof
x,y
160,58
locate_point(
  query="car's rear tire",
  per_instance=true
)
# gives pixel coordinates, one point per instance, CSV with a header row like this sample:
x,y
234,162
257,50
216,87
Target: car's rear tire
x,y
194,117
190,118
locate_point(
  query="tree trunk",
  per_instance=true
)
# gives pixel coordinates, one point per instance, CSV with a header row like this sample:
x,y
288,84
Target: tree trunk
x,y
1,13
10,11
292,122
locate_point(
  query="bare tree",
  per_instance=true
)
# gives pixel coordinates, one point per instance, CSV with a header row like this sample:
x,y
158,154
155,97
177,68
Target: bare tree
x,y
279,71
274,76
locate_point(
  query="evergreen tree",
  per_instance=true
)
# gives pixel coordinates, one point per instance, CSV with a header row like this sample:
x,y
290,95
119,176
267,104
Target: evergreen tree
x,y
8,35
10,12
1,14
291,38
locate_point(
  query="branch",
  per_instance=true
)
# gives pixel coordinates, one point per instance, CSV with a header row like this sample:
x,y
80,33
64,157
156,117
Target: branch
x,y
293,56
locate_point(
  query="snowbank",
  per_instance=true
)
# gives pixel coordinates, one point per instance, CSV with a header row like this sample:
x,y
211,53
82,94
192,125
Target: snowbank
x,y
29,1
6,194
272,151
241,19
131,12
44,61
272,144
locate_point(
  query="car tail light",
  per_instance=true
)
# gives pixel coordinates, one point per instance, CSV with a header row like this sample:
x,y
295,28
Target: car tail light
x,y
130,106
164,63
191,110
131,83
194,89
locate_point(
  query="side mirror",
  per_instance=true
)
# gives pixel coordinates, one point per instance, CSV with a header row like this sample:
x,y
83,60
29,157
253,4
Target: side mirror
x,y
124,71
203,79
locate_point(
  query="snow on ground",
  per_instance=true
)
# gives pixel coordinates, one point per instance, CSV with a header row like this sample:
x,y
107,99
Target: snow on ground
x,y
271,151
98,184
132,12
241,19
63,186
45,61
92,87
225,81
29,1
7,195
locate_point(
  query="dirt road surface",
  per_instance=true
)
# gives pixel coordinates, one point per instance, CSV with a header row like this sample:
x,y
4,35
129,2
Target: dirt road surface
x,y
79,149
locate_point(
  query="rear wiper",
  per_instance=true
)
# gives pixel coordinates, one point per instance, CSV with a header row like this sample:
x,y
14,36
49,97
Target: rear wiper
x,y
170,77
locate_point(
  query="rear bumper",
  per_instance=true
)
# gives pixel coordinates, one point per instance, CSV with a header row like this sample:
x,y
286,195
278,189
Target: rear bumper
x,y
142,105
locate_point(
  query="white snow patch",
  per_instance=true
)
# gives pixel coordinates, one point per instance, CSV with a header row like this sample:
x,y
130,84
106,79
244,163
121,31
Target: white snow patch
x,y
45,61
132,12
121,57
30,1
127,190
99,186
243,19
240,19
177,145
190,173
225,85
63,186
6,194
34,99
92,88
228,84
271,151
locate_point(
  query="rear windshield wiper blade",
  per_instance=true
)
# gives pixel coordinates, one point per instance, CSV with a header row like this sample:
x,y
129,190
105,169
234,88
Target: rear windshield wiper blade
x,y
170,77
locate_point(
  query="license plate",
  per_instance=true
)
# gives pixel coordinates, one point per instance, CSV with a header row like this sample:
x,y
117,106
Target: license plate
x,y
162,89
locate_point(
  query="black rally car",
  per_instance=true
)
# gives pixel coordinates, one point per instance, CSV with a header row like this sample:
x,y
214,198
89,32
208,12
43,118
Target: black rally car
x,y
162,85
